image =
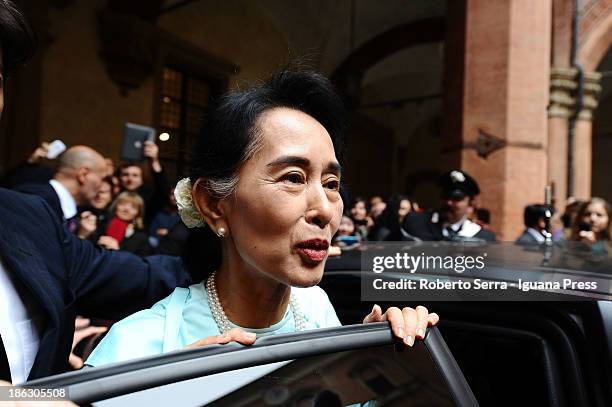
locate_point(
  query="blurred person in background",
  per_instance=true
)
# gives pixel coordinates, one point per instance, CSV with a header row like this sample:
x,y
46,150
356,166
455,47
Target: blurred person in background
x,y
131,178
482,216
534,217
569,215
104,197
377,209
165,220
359,214
174,242
76,182
116,184
125,230
346,235
450,221
388,225
110,166
95,216
112,178
376,199
359,209
404,208
592,224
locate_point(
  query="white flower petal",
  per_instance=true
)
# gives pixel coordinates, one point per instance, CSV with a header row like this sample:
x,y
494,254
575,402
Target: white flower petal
x,y
184,201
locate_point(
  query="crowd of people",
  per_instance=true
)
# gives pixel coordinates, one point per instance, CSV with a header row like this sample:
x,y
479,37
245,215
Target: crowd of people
x,y
116,209
458,218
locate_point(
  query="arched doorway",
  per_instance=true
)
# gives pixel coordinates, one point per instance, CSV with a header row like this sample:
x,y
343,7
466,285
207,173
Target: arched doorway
x,y
395,81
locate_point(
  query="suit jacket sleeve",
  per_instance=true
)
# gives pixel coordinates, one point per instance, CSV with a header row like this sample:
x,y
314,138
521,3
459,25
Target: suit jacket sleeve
x,y
113,284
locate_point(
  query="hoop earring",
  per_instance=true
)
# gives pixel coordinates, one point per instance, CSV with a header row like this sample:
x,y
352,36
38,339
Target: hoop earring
x,y
221,232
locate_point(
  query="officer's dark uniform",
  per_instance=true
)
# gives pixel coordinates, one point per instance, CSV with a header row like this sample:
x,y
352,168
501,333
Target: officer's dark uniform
x,y
429,226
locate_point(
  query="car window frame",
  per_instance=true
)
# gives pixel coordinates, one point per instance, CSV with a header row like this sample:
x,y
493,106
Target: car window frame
x,y
105,382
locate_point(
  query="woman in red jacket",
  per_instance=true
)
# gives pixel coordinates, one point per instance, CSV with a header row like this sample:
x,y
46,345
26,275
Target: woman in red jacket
x,y
125,230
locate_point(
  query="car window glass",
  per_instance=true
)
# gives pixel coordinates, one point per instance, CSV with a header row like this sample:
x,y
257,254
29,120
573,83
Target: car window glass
x,y
195,392
379,376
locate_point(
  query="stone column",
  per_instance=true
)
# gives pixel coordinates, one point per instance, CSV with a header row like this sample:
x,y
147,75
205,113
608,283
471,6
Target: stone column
x,y
582,156
505,94
560,108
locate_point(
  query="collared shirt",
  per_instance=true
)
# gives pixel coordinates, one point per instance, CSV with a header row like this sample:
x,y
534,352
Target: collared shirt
x,y
456,227
536,235
69,206
463,228
18,326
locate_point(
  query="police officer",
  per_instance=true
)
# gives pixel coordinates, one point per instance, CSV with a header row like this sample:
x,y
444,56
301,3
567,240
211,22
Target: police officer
x,y
451,221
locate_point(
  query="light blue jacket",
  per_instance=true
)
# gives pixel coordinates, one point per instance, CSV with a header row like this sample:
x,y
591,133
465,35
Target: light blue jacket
x,y
185,317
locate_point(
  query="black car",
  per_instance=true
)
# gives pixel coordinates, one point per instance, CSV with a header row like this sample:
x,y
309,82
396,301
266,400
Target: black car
x,y
538,348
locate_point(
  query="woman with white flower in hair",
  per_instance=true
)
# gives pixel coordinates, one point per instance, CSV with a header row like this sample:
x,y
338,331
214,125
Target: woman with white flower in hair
x,y
263,201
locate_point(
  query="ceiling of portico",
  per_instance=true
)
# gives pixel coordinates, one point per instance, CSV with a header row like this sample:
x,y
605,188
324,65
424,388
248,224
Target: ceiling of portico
x,y
324,27
321,31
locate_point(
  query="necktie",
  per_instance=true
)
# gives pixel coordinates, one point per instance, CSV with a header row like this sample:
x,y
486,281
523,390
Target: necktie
x,y
73,224
451,233
5,371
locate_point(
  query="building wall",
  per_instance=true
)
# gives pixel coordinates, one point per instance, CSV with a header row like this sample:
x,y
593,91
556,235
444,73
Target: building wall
x,y
80,103
236,30
503,95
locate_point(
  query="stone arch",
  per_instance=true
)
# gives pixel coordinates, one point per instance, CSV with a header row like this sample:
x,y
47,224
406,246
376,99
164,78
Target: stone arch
x,y
349,74
391,41
349,77
596,43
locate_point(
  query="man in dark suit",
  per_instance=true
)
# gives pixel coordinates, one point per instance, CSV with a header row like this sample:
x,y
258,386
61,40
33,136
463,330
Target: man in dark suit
x,y
50,273
535,218
451,221
76,182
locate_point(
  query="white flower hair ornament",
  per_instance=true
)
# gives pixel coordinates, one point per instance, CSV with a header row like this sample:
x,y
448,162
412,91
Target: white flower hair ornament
x,y
184,200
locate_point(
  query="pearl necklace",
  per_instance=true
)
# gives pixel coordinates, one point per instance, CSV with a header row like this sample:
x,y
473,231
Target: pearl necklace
x,y
223,322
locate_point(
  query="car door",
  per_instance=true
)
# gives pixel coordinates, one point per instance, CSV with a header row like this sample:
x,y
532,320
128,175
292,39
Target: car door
x,y
345,366
512,353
